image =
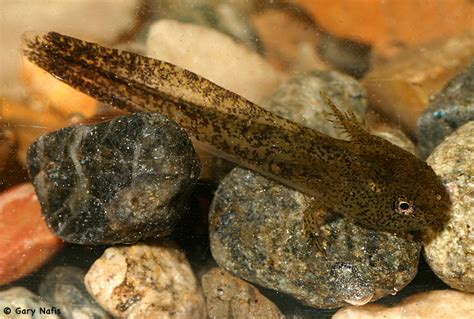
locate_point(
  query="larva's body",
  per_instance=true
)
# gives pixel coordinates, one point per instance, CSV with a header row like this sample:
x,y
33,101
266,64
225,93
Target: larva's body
x,y
367,178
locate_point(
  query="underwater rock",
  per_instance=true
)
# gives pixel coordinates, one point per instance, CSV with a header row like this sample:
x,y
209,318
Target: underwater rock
x,y
214,56
299,99
403,86
225,17
441,304
256,233
391,25
345,55
54,95
64,288
289,39
26,243
146,281
7,147
28,122
114,182
451,108
101,21
230,297
256,226
450,252
21,299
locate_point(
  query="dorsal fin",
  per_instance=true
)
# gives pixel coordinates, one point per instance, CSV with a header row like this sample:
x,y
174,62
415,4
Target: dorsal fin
x,y
347,121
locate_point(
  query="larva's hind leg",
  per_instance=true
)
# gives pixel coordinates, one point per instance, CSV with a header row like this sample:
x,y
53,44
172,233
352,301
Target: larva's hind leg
x,y
313,221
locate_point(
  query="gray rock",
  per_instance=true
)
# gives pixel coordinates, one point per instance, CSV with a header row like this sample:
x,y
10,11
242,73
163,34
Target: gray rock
x,y
20,303
451,108
114,182
230,297
64,288
450,253
347,56
256,233
256,225
299,99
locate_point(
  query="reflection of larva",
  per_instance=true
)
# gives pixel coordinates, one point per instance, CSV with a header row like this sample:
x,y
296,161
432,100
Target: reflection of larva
x,y
367,178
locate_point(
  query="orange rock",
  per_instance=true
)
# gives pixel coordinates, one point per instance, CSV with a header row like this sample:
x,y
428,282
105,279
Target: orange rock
x,y
108,113
64,99
28,122
403,86
26,242
392,24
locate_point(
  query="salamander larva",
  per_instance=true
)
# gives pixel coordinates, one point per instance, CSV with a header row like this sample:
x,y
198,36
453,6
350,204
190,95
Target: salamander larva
x,y
366,178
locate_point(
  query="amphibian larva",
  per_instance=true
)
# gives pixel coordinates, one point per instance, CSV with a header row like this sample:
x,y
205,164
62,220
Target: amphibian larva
x,y
367,178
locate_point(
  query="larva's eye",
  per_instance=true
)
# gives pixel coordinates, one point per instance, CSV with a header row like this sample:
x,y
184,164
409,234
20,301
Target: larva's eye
x,y
404,206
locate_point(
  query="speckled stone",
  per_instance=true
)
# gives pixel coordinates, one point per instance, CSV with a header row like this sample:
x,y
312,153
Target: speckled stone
x,y
20,299
450,253
64,287
231,297
114,182
256,233
299,99
439,304
452,107
146,281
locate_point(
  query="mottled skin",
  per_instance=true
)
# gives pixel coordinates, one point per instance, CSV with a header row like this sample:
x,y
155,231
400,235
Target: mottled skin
x,y
367,178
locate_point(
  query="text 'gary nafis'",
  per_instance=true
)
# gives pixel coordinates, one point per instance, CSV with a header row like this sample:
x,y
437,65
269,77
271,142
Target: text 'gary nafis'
x,y
40,310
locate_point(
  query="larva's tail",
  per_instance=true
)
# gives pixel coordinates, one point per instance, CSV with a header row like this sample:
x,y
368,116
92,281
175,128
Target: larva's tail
x,y
110,75
227,122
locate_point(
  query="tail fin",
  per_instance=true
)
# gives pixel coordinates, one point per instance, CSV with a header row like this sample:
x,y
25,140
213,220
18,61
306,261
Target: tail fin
x,y
229,123
83,64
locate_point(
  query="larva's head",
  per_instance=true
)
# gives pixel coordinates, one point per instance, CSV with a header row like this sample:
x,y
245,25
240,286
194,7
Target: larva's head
x,y
400,192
